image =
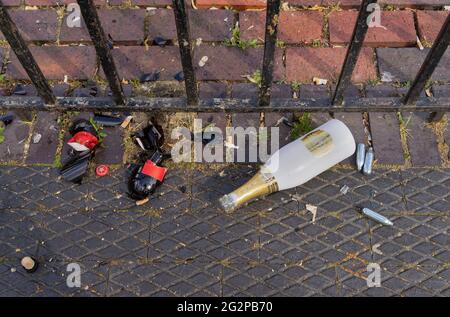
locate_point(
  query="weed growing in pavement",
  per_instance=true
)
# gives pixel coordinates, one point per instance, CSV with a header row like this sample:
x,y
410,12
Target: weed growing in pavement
x,y
2,137
98,129
255,78
302,126
236,40
404,136
280,44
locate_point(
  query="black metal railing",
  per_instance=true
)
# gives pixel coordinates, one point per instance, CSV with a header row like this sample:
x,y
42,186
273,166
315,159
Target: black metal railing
x,y
48,101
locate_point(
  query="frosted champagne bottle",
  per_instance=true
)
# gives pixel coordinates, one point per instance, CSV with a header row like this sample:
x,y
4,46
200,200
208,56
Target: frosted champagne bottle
x,y
296,163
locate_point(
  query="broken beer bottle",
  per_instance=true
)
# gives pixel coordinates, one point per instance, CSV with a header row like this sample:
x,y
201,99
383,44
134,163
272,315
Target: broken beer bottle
x,y
147,177
296,163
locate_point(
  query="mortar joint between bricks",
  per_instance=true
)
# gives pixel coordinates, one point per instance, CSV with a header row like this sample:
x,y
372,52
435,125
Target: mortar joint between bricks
x,y
416,24
60,12
27,142
439,129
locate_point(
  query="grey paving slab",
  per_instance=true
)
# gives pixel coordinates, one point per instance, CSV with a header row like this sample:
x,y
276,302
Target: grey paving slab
x,y
248,123
385,132
354,122
422,142
15,139
45,149
182,244
112,148
402,64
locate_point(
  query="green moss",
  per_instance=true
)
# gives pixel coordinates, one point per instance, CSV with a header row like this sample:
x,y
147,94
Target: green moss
x,y
280,44
302,126
2,137
256,78
98,129
236,40
316,43
295,85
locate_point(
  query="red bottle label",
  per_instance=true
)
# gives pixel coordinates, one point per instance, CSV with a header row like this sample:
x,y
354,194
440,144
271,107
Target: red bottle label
x,y
84,138
153,170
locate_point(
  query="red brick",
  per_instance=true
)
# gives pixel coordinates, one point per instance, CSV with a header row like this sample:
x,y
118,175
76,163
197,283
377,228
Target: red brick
x,y
161,22
210,25
77,62
304,63
295,26
58,2
232,63
134,61
430,23
124,26
344,4
11,3
400,30
152,3
415,3
35,25
237,4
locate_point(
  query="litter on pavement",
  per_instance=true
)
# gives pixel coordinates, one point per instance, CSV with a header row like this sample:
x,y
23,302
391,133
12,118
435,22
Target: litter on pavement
x,y
108,121
29,264
376,216
368,162
148,175
319,150
344,189
83,143
360,156
312,209
102,170
149,77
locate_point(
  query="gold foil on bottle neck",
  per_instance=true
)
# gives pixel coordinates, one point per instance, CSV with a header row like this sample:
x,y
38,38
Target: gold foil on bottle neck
x,y
262,183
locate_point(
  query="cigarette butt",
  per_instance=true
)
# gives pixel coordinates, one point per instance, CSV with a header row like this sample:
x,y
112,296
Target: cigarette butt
x,y
319,81
29,264
126,122
428,92
142,201
419,43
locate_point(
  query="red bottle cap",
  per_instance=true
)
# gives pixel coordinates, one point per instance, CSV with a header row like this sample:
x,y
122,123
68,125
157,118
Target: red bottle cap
x,y
102,170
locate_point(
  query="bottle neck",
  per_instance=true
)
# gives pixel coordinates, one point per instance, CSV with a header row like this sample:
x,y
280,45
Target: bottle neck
x,y
261,184
157,157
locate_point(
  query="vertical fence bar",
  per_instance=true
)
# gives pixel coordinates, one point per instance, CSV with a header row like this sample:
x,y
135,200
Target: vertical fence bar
x,y
100,41
429,65
359,33
182,24
271,30
25,57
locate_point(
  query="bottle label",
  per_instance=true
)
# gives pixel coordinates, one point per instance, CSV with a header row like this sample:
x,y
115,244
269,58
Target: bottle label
x,y
318,142
83,141
153,170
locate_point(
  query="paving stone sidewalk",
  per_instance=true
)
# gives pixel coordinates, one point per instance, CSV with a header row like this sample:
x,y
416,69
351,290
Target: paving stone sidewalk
x,y
182,244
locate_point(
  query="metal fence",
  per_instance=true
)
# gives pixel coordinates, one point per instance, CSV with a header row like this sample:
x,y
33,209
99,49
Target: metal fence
x,y
47,100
